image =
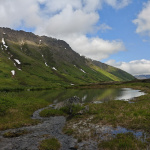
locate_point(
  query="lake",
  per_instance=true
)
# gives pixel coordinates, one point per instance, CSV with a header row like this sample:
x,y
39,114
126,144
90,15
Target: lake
x,y
86,95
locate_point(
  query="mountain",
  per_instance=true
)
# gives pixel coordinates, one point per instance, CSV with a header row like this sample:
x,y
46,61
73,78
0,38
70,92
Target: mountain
x,y
142,76
29,60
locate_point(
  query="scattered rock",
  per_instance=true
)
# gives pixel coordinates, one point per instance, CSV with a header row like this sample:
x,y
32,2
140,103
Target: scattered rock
x,y
49,127
69,102
73,100
86,109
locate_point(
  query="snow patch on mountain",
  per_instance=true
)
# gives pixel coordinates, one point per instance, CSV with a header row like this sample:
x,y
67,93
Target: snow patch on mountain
x,y
17,61
46,64
19,69
13,72
82,70
54,68
3,41
4,44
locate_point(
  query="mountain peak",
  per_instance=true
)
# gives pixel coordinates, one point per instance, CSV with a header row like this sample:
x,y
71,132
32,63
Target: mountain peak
x,y
45,61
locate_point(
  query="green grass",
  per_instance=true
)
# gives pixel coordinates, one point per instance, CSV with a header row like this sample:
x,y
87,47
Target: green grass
x,y
68,131
15,133
72,109
134,116
107,74
64,111
35,74
123,142
50,144
16,110
5,104
51,112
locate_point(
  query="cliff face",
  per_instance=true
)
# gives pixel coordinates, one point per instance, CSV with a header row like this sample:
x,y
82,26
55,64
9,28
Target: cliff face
x,y
31,60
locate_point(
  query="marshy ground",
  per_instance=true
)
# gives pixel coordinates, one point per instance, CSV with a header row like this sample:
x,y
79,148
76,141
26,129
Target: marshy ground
x,y
109,125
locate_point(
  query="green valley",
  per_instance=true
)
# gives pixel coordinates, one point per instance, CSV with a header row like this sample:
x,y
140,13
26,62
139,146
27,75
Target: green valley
x,y
44,62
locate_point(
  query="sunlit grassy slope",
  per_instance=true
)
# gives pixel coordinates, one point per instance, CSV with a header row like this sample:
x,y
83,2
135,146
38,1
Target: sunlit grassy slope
x,y
47,62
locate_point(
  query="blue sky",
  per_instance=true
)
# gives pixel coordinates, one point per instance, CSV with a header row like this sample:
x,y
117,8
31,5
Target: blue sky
x,y
116,32
124,29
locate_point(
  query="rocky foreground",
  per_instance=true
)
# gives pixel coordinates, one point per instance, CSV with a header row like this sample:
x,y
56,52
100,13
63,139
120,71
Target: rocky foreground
x,y
87,135
49,127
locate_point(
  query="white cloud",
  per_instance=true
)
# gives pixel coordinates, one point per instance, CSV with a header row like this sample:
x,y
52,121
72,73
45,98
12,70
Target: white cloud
x,y
94,48
52,7
70,20
104,27
136,67
118,4
143,20
13,13
92,5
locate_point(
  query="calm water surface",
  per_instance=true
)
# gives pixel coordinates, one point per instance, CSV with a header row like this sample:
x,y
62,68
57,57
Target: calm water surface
x,y
86,95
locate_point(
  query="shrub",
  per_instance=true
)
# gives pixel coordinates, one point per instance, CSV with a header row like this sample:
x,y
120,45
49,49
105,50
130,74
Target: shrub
x,y
5,104
49,144
51,112
15,133
72,109
122,141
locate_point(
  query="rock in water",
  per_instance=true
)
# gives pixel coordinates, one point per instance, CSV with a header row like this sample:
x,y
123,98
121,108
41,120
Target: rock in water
x,y
68,102
73,100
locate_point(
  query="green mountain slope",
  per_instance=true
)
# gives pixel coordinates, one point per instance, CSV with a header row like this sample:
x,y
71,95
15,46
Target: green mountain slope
x,y
28,60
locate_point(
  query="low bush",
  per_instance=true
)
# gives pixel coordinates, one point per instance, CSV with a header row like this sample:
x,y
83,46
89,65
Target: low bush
x,y
51,112
123,142
50,144
5,104
15,133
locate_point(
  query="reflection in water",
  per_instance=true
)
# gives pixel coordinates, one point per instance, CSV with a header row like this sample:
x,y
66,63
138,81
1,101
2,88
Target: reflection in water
x,y
108,132
84,98
128,94
85,95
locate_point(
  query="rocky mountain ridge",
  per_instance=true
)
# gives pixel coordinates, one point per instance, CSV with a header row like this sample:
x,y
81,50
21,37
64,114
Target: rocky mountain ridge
x,y
30,60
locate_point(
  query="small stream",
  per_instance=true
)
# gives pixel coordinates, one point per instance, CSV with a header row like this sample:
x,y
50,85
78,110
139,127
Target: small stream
x,y
107,133
50,127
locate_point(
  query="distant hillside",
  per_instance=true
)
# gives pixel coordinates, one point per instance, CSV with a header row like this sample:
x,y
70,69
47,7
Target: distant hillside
x,y
28,60
142,76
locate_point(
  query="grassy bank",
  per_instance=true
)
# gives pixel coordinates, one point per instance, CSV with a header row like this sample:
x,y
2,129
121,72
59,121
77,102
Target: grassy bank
x,y
118,113
134,116
71,110
123,142
50,144
16,110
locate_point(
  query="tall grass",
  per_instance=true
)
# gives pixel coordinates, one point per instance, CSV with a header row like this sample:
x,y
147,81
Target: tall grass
x,y
16,111
50,144
125,141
